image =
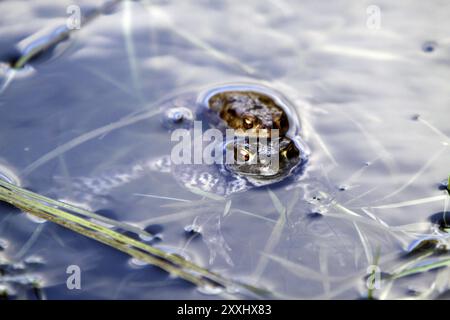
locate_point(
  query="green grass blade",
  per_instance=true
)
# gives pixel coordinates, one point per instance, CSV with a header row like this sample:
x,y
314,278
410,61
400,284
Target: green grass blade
x,y
45,208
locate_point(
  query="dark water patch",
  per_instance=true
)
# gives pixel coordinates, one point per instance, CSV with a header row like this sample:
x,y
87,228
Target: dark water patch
x,y
10,57
108,213
444,185
434,244
442,219
131,235
156,230
429,46
6,207
314,215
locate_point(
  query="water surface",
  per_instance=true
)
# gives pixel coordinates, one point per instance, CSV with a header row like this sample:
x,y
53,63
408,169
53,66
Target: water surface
x,y
374,107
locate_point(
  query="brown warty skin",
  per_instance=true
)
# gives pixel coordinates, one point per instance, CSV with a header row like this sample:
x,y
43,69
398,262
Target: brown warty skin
x,y
251,111
256,114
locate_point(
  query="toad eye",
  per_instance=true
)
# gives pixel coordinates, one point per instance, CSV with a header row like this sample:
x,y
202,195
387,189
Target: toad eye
x,y
248,122
241,154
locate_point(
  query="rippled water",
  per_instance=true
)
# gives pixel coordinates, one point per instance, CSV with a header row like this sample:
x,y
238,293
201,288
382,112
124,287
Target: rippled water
x,y
374,108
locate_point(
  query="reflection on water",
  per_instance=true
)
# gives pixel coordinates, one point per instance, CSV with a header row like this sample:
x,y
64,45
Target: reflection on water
x,y
85,125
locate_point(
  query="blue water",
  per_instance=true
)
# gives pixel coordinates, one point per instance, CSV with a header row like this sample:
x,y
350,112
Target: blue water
x,y
372,99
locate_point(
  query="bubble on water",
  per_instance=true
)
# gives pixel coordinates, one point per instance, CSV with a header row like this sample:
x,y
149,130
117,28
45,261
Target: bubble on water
x,y
429,46
146,238
320,209
318,204
178,117
34,218
194,227
136,263
210,290
151,237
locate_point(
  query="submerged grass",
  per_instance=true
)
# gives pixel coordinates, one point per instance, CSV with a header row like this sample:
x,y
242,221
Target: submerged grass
x,y
53,211
422,267
431,259
448,184
60,35
372,276
274,237
88,136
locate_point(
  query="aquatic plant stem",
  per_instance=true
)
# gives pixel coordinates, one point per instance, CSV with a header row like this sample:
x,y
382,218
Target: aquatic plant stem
x,y
171,263
62,34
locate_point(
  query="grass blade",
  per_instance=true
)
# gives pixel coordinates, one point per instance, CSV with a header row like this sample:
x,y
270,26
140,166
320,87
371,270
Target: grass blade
x,y
40,206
